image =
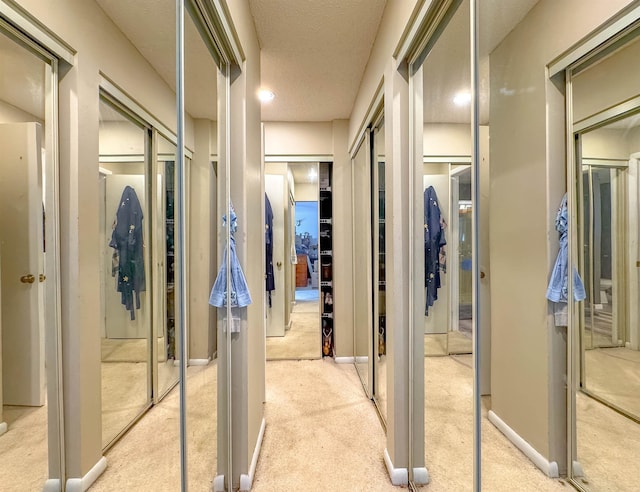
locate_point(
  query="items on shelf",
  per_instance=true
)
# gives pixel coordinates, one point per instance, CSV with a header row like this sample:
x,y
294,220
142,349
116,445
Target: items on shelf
x,y
326,260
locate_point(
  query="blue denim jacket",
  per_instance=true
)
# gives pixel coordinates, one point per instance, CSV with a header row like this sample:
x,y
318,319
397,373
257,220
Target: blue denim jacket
x,y
558,288
240,296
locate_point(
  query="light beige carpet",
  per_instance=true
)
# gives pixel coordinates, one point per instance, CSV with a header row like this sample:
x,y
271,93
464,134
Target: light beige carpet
x,y
449,437
608,447
322,433
613,374
147,457
23,449
129,349
302,340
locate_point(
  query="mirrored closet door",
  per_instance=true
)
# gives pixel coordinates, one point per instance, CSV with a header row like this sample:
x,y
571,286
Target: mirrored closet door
x,y
378,267
30,401
443,237
125,255
363,263
606,356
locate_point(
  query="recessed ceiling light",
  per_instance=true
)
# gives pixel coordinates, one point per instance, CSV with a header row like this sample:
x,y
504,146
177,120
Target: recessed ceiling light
x,y
266,95
462,98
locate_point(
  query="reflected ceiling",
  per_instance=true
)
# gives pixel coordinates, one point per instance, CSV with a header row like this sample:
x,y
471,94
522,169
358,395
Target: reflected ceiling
x,y
16,63
447,67
301,170
313,53
155,38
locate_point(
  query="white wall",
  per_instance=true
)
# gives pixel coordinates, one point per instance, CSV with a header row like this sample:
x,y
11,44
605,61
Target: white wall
x,y
306,192
299,138
447,139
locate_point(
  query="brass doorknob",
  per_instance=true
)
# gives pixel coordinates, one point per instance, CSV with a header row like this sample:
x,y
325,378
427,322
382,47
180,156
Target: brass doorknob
x,y
42,277
27,279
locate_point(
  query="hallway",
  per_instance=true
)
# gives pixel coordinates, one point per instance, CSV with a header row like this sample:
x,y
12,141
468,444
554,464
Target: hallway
x,y
322,434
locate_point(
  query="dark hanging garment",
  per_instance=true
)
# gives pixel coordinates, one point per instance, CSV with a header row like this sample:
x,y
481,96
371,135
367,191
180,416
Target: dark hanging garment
x,y
127,242
434,240
268,241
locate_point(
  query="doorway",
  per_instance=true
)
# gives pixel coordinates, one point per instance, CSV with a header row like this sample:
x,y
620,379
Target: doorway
x,y
293,305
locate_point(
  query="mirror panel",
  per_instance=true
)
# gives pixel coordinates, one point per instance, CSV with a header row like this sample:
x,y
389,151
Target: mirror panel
x,y
203,221
608,396
443,210
607,356
124,269
378,224
167,342
29,450
362,262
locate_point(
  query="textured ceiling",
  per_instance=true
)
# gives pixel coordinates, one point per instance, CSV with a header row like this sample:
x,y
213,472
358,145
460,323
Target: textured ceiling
x,y
313,55
155,39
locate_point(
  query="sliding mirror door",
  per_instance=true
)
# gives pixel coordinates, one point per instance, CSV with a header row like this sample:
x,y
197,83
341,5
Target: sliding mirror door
x,y
378,268
30,400
125,195
443,236
606,356
362,264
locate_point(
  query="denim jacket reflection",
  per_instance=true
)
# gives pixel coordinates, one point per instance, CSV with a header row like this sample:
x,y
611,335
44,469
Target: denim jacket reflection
x,y
558,288
240,296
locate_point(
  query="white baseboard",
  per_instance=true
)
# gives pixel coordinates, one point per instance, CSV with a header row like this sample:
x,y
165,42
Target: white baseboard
x,y
549,468
345,360
420,476
82,484
577,469
398,476
3,427
218,484
52,485
246,481
199,362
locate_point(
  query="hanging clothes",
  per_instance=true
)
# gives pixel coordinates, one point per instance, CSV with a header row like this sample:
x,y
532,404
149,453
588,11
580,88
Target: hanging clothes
x,y
558,288
240,296
434,242
270,284
128,255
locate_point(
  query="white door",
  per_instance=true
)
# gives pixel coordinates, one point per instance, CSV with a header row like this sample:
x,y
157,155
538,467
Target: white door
x,y
22,267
